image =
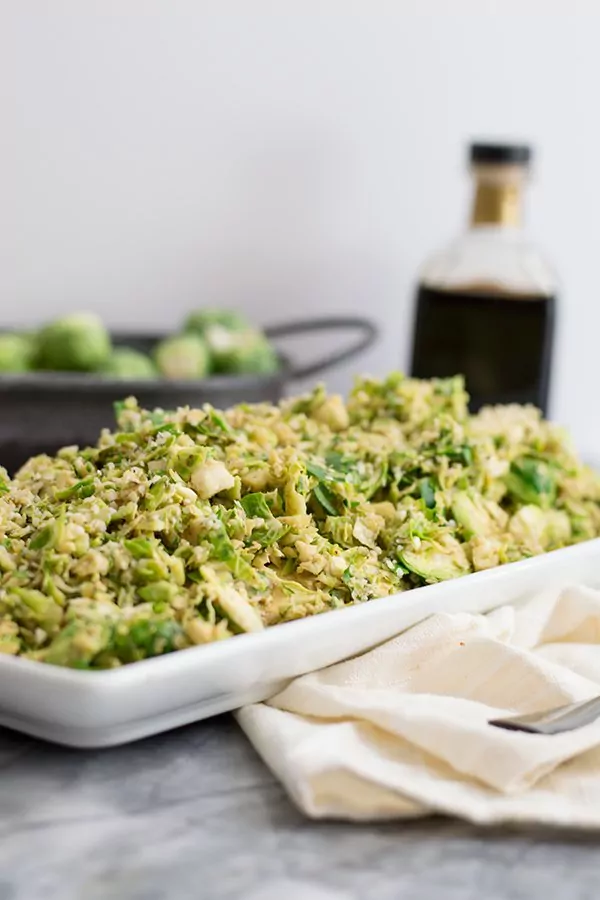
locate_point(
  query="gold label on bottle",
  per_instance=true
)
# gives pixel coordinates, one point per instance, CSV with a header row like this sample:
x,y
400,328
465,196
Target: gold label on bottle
x,y
497,204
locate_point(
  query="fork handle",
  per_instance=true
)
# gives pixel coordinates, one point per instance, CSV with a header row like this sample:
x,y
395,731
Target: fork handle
x,y
554,721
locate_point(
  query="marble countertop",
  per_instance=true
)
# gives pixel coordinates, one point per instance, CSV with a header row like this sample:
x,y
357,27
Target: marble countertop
x,y
195,814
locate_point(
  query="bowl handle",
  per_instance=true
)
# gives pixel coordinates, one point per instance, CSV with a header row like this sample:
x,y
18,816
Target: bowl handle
x,y
366,337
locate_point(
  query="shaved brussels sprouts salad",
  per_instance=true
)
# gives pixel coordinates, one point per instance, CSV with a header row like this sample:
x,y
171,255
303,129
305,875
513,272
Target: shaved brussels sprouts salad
x,y
181,528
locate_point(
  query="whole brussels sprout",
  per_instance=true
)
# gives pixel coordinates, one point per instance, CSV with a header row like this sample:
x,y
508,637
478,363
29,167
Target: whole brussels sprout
x,y
125,362
78,343
235,347
203,319
246,353
184,356
16,352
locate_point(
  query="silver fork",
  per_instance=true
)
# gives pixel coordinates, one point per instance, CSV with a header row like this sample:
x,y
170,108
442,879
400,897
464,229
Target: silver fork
x,y
554,721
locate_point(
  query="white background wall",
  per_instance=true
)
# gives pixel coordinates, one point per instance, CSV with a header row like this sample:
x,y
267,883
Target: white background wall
x,y
291,156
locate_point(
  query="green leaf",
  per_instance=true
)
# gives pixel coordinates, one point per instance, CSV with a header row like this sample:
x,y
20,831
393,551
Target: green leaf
x,y
326,498
167,428
289,567
339,462
42,538
427,491
213,425
158,592
140,548
43,610
125,437
157,417
81,489
256,506
323,473
309,402
224,551
340,529
147,637
462,454
219,421
531,481
156,494
151,570
268,534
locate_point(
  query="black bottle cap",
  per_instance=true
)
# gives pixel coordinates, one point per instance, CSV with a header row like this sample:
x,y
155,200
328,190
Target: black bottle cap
x,y
500,154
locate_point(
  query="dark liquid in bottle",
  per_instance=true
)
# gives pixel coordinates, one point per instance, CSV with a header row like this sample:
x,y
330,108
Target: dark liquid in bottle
x,y
501,343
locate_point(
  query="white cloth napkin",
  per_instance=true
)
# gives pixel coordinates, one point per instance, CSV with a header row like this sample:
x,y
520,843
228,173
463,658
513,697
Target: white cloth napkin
x,y
403,730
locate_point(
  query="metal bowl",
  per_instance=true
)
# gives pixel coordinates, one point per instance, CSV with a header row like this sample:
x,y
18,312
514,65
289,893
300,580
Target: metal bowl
x,y
43,411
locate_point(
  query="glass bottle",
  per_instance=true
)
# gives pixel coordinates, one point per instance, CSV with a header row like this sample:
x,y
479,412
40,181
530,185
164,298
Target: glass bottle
x,y
486,305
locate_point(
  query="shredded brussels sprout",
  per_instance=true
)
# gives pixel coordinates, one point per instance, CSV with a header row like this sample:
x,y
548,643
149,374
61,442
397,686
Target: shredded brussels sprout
x,y
188,527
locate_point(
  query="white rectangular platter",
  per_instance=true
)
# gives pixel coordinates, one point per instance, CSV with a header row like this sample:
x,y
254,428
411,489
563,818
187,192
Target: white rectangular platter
x,y
105,708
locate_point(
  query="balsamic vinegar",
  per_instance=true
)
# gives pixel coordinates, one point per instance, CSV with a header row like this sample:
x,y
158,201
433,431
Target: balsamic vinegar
x,y
486,306
502,344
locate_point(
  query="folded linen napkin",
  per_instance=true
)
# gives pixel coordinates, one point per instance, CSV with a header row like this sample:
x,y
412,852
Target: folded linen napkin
x,y
403,730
